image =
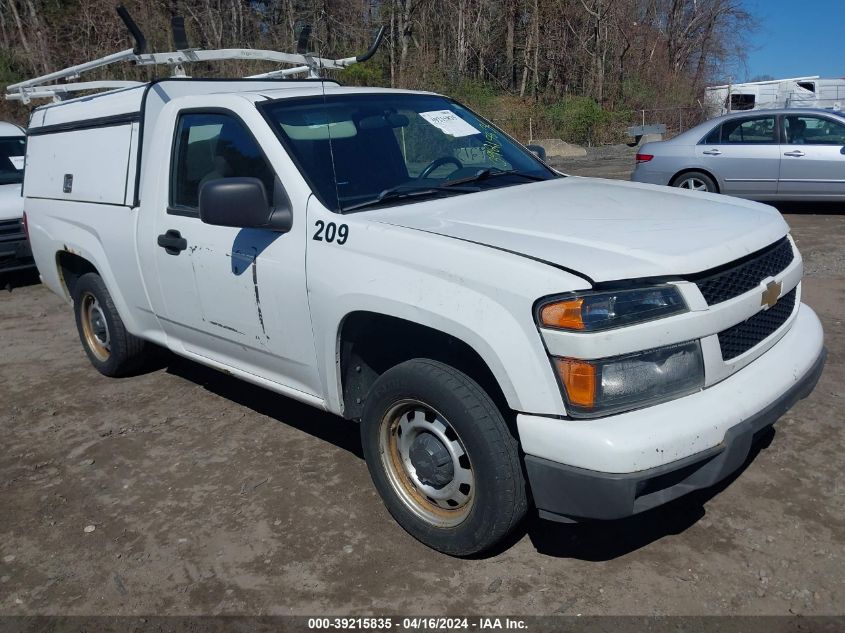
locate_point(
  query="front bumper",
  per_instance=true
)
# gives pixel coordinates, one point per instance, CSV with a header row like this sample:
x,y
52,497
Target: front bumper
x,y
630,449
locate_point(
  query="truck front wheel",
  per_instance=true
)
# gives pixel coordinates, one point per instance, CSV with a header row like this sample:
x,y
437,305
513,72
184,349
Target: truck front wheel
x,y
110,348
442,458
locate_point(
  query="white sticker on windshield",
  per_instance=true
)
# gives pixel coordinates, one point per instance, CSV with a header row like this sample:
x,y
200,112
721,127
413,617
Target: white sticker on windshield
x,y
17,162
449,123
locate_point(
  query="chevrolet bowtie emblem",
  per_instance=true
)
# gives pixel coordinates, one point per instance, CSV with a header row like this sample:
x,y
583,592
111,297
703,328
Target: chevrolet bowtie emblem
x,y
771,294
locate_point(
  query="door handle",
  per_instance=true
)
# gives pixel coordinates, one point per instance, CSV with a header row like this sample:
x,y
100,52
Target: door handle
x,y
797,153
172,242
711,152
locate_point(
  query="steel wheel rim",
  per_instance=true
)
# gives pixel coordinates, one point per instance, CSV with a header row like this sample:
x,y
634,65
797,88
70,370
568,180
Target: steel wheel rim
x,y
695,184
95,327
441,506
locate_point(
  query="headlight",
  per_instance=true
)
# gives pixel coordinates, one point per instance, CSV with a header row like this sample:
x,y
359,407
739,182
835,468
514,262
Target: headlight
x,y
592,311
611,385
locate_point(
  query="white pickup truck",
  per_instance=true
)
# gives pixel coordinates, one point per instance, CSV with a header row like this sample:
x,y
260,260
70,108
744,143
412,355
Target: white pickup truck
x,y
507,337
14,248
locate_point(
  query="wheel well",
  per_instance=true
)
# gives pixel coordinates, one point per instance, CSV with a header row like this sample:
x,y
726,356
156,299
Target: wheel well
x,y
71,267
700,171
372,343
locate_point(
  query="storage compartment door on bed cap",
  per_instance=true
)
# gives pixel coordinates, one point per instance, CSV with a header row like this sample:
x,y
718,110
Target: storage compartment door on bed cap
x,y
91,164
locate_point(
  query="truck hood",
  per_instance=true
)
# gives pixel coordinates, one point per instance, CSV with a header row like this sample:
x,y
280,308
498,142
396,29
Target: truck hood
x,y
602,229
11,203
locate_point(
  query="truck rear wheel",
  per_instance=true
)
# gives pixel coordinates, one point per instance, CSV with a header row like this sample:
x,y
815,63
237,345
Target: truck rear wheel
x,y
110,348
442,458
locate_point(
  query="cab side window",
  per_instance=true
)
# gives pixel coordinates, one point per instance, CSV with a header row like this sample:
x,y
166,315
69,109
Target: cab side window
x,y
755,130
208,146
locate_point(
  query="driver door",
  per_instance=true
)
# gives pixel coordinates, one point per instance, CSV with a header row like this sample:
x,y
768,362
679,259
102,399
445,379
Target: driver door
x,y
233,295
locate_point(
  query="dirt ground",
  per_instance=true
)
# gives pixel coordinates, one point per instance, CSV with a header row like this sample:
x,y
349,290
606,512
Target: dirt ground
x,y
185,491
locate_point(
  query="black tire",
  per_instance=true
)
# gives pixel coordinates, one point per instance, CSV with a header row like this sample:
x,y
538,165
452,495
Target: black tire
x,y
497,495
695,180
122,354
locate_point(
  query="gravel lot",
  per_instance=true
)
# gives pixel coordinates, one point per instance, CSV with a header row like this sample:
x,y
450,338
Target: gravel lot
x,y
185,491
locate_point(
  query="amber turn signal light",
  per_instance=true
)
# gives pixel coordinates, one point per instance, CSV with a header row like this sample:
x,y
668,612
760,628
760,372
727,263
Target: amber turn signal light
x,y
563,314
579,380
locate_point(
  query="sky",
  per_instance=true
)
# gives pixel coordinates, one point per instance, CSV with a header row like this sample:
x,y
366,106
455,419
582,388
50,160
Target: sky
x,y
797,38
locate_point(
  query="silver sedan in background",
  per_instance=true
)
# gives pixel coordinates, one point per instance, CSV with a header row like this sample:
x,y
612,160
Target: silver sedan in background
x,y
787,154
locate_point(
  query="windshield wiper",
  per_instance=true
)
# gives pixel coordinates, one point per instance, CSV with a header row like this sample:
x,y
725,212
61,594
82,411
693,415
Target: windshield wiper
x,y
489,172
406,191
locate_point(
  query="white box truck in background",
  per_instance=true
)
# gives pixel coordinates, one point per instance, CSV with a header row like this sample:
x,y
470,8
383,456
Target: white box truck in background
x,y
798,92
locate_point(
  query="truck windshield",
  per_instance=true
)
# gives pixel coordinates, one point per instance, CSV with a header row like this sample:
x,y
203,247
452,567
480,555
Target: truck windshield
x,y
365,150
12,151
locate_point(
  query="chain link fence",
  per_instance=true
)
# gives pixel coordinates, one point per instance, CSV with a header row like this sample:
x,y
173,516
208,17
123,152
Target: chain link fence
x,y
676,120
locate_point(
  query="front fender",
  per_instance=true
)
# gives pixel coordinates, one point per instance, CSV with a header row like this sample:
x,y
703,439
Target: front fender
x,y
479,295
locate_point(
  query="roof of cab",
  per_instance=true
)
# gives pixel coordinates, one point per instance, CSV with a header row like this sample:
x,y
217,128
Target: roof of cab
x,y
125,101
132,101
313,91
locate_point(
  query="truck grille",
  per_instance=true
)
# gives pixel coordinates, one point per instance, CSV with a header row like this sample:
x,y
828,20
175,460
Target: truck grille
x,y
743,336
11,230
738,278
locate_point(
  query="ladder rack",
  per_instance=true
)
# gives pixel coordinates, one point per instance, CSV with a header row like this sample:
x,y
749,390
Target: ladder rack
x,y
300,62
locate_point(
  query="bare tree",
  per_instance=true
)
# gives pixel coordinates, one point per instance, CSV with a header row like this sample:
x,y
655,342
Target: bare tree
x,y
620,53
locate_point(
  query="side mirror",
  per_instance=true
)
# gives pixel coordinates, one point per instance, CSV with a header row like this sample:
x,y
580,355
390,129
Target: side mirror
x,y
242,203
538,150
